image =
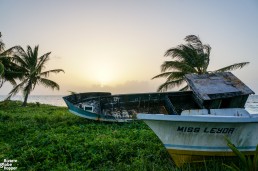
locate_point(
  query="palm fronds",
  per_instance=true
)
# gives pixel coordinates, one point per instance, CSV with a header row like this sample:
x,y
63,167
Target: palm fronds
x,y
16,89
232,67
192,57
170,75
164,74
42,61
176,65
170,84
1,69
11,71
46,73
185,88
49,83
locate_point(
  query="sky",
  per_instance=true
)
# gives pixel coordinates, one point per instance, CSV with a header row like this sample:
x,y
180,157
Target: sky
x,y
119,45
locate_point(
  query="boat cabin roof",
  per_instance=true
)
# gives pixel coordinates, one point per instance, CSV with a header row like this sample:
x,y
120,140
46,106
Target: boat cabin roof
x,y
217,85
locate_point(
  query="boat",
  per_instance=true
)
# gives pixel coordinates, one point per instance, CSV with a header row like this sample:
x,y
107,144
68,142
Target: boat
x,y
103,106
201,133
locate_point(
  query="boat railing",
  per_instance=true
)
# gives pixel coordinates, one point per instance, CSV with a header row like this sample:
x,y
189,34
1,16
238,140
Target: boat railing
x,y
226,112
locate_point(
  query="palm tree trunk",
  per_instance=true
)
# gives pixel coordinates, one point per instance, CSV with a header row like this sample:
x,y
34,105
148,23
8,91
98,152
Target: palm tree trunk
x,y
25,99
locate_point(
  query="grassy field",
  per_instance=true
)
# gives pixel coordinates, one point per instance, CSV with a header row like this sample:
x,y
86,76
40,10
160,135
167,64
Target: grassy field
x,y
50,138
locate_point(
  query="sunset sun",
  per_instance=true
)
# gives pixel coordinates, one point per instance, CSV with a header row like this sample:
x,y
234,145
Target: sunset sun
x,y
104,76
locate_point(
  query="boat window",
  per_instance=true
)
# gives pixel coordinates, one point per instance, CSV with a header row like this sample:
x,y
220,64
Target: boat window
x,y
225,103
88,108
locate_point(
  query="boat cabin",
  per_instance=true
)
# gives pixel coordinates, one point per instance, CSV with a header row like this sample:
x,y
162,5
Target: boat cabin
x,y
218,90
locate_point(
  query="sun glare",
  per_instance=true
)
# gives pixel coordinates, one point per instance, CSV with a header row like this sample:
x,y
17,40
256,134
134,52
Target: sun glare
x,y
105,71
103,76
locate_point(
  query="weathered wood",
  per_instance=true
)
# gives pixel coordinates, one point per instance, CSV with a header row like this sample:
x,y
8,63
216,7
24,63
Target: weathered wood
x,y
218,90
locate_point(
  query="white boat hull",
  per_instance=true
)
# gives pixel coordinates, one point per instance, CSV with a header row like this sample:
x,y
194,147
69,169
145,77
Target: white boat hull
x,y
192,138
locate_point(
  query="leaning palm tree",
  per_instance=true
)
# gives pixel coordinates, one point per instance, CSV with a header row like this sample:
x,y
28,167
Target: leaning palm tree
x,y
192,57
33,72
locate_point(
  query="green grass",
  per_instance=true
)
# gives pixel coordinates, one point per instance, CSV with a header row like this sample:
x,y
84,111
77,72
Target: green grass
x,y
50,138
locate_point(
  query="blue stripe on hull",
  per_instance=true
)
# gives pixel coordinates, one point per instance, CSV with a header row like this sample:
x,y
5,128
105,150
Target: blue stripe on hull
x,y
207,147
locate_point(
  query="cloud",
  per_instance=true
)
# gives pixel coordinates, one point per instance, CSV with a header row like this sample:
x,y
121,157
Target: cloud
x,y
56,57
127,87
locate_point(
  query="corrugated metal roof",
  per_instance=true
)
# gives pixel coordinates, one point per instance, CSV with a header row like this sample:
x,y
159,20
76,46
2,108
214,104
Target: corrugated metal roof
x,y
217,85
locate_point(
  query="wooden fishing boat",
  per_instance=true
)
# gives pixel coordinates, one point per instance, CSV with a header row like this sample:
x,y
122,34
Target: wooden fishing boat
x,y
196,134
103,106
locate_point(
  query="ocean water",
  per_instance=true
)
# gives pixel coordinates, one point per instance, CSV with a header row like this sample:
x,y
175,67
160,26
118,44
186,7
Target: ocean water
x,y
251,104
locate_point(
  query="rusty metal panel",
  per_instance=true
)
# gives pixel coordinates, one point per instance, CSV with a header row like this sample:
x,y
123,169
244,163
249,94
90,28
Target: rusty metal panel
x,y
217,86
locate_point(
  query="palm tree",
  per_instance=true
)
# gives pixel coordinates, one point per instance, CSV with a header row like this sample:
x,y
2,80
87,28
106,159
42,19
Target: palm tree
x,y
9,71
192,57
1,69
33,74
1,48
